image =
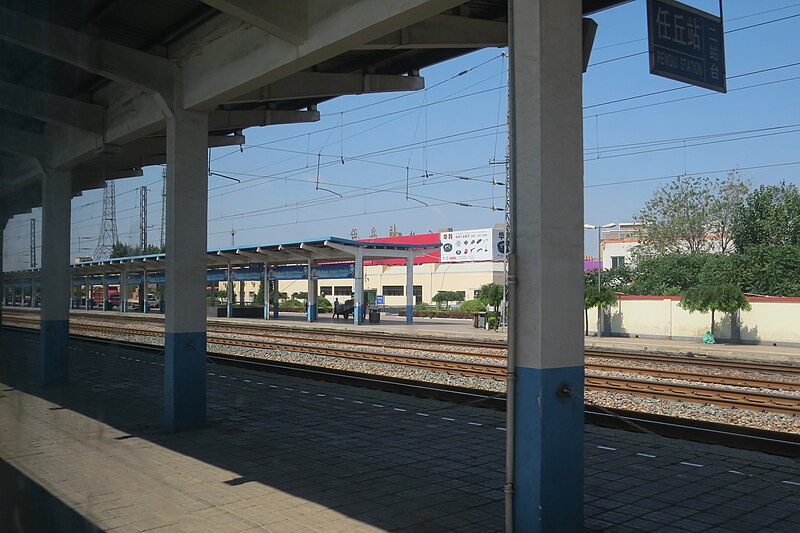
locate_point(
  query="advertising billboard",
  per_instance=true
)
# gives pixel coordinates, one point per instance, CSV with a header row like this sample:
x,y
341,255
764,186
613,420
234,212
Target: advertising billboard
x,y
472,245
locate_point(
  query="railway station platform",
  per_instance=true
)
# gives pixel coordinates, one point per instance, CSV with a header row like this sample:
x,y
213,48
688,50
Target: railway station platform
x,y
285,454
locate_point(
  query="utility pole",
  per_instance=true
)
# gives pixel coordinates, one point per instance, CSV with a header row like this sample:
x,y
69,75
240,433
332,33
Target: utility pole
x,y
108,227
354,234
163,240
33,243
233,237
143,220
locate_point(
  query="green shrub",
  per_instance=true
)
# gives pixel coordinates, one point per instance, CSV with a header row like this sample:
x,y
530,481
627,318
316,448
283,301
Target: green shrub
x,y
292,303
473,306
323,304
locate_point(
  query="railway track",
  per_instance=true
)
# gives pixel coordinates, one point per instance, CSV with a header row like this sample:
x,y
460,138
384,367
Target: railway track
x,y
786,444
687,385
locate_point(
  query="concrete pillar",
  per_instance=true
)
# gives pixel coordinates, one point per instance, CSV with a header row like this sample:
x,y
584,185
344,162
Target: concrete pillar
x,y
123,290
275,299
105,294
34,291
545,426
266,291
88,292
2,274
186,277
358,298
144,304
312,293
409,289
53,358
143,293
241,293
229,287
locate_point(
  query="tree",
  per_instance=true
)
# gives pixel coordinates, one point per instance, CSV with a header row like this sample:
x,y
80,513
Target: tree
x,y
724,297
770,215
446,297
769,270
667,274
121,249
681,216
724,208
592,297
300,295
491,294
152,249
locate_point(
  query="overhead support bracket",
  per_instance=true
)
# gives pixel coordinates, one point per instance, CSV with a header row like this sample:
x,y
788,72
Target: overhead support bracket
x,y
241,119
285,20
444,31
51,108
325,85
151,73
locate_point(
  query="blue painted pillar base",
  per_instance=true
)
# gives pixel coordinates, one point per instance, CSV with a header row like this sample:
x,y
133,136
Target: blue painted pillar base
x,y
266,312
53,353
548,449
185,381
312,313
229,310
409,314
357,318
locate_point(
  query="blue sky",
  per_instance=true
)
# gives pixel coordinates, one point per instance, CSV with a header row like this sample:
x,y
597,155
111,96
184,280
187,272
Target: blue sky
x,y
443,141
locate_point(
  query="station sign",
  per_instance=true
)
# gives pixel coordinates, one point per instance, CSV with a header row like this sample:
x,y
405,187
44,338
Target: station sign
x,y
379,299
686,44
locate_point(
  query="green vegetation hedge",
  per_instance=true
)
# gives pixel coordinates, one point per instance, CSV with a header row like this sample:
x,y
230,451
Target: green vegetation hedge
x,y
473,306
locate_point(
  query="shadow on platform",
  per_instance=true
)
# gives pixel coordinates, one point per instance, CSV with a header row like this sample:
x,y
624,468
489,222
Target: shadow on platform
x,y
393,474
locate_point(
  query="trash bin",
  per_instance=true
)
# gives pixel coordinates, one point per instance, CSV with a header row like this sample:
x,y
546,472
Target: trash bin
x,y
374,316
479,320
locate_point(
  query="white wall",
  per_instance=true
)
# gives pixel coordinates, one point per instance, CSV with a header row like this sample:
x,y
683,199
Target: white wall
x,y
771,320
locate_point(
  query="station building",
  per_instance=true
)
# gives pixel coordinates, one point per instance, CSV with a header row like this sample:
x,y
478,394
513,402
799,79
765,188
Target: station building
x,y
617,244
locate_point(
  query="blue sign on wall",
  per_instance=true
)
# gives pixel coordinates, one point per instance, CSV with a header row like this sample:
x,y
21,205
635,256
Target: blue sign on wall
x,y
289,272
686,44
379,299
334,271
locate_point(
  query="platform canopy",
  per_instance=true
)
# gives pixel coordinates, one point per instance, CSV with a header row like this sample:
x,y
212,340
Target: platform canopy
x,y
86,87
321,250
